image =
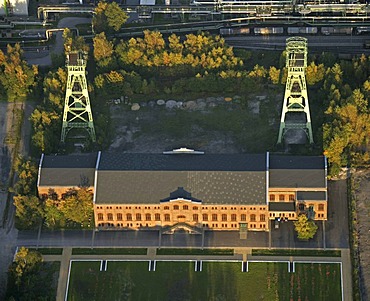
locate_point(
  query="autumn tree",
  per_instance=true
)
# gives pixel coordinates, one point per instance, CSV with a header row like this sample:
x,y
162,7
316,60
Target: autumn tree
x,y
315,73
16,76
274,75
103,50
73,43
305,228
108,17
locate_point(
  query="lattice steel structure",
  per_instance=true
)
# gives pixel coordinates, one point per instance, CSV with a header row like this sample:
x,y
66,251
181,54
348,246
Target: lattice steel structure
x,y
77,110
295,105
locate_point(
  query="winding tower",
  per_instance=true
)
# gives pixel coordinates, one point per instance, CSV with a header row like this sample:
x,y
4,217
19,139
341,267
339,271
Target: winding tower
x,y
295,113
77,109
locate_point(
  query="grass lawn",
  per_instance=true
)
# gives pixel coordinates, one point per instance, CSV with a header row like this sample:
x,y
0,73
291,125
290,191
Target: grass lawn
x,y
195,252
218,281
295,252
109,251
48,251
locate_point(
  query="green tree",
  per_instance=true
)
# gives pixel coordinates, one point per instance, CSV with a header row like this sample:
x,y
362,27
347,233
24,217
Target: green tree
x,y
305,228
29,211
77,206
73,43
108,17
16,77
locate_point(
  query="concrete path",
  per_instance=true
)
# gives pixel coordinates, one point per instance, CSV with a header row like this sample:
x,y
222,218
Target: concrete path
x,y
63,273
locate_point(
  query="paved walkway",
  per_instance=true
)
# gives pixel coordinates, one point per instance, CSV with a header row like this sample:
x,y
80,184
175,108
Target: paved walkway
x,y
240,254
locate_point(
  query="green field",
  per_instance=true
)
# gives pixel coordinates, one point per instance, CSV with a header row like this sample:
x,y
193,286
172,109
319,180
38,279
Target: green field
x,y
219,281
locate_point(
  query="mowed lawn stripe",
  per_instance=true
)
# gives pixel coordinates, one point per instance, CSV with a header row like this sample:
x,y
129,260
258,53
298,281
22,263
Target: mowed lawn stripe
x,y
127,280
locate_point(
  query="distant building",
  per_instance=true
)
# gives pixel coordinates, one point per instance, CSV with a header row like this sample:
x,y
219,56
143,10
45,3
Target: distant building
x,y
194,191
14,8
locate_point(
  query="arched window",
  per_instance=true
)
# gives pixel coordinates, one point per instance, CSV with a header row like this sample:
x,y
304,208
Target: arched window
x,y
281,197
138,216
262,217
321,207
243,217
185,207
195,208
214,217
167,217
224,217
291,197
233,217
119,216
166,208
175,207
301,207
100,216
129,216
195,217
110,216
157,217
205,217
148,217
272,197
253,217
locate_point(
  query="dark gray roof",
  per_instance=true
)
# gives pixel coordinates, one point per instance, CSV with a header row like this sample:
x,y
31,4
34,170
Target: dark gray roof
x,y
282,206
180,193
211,187
182,162
71,170
296,162
311,196
297,172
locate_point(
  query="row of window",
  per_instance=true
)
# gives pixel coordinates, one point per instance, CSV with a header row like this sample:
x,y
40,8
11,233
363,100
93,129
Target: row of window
x,y
302,207
282,215
253,226
184,207
274,197
167,217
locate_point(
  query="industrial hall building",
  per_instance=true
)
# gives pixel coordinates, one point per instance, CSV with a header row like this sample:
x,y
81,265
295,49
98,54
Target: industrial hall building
x,y
191,189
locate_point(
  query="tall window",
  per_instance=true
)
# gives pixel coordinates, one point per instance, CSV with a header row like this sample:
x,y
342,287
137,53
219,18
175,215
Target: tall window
x,y
129,216
291,197
205,217
167,217
157,217
119,216
321,207
100,216
195,217
301,207
138,216
110,216
233,217
253,217
272,197
214,217
262,217
224,217
185,207
175,207
281,197
148,217
243,217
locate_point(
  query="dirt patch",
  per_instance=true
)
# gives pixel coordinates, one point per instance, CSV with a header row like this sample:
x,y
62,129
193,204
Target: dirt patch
x,y
362,193
213,125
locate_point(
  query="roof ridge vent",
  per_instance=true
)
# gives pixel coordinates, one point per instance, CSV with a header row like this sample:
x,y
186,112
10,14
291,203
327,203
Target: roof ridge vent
x,y
183,150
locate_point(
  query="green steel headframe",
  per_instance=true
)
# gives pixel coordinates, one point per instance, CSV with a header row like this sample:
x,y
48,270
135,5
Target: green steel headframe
x,y
295,96
77,109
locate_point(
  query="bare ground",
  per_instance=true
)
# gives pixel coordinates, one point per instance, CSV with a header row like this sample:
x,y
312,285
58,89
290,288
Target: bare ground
x,y
362,180
154,129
